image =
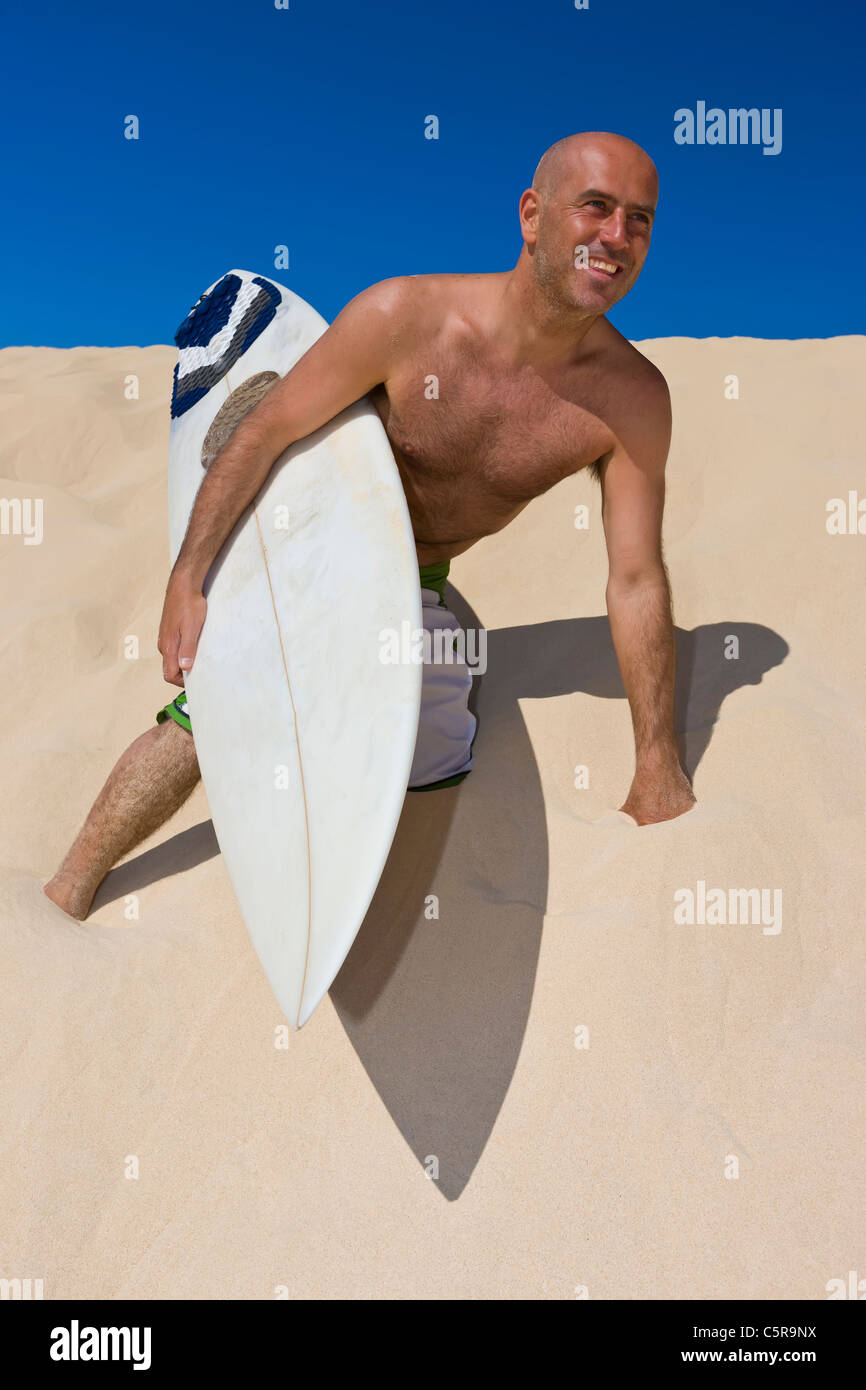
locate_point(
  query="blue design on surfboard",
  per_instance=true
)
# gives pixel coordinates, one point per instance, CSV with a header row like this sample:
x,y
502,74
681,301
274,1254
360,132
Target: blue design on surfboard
x,y
206,350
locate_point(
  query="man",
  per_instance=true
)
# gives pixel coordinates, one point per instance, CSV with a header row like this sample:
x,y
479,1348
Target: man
x,y
533,385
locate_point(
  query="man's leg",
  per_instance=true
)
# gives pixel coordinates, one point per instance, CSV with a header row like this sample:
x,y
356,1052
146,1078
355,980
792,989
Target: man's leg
x,y
147,784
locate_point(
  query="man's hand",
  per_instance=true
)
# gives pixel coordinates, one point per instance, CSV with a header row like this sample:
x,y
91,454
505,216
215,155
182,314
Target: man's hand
x,y
183,616
658,793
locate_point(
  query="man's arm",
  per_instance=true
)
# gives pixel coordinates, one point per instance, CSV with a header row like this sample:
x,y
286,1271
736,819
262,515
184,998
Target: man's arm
x,y
346,362
639,601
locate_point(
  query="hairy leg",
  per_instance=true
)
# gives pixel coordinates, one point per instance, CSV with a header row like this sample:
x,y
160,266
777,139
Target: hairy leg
x,y
147,784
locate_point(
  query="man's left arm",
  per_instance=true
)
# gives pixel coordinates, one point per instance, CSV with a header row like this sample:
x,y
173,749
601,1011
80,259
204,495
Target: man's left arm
x,y
639,601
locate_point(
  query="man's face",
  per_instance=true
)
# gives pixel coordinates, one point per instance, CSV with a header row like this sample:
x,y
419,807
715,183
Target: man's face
x,y
604,203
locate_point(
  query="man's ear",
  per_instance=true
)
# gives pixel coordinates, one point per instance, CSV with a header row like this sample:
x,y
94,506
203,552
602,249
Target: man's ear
x,y
528,209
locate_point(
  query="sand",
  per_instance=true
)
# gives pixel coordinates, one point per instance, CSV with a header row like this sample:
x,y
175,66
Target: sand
x,y
620,1104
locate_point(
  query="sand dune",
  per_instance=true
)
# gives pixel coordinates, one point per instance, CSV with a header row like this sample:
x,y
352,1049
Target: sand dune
x,y
703,1144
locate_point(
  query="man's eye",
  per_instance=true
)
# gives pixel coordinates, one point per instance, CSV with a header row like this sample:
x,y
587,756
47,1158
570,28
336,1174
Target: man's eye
x,y
595,203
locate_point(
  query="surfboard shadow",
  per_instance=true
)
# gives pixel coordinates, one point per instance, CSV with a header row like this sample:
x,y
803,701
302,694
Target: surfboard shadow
x,y
436,991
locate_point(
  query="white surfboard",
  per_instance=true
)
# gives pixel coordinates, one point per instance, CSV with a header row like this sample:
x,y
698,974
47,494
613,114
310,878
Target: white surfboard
x,y
303,734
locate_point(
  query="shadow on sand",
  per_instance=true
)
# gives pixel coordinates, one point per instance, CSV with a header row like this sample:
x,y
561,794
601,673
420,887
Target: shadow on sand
x,y
436,1008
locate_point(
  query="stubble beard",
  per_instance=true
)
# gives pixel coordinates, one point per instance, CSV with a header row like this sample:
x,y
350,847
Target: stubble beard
x,y
556,285
549,278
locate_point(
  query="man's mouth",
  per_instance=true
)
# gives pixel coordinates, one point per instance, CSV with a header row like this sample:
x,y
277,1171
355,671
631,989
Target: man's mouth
x,y
603,267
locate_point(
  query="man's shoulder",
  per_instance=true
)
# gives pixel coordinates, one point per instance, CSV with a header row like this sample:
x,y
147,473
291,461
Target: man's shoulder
x,y
634,369
425,310
396,312
639,401
438,296
436,290
638,398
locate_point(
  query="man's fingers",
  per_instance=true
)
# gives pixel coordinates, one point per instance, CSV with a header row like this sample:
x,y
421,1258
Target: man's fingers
x,y
178,658
183,620
170,666
186,650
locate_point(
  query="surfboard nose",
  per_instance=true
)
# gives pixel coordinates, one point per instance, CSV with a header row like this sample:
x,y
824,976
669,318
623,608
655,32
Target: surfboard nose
x,y
224,321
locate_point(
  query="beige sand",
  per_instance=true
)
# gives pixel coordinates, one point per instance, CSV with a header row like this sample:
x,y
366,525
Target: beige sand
x,y
608,1167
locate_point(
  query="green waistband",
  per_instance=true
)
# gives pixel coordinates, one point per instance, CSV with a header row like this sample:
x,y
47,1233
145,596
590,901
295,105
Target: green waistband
x,y
434,576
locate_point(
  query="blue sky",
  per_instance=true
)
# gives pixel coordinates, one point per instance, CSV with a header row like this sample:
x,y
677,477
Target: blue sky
x,y
305,127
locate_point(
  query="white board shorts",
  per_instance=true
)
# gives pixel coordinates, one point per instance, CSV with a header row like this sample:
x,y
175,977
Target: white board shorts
x,y
446,727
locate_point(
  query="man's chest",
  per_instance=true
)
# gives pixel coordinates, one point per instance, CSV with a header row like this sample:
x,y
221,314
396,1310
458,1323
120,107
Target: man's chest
x,y
513,434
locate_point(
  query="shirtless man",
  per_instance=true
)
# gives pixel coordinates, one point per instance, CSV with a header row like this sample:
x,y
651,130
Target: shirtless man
x,y
535,384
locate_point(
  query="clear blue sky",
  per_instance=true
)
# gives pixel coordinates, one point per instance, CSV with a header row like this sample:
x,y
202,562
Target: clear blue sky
x,y
306,127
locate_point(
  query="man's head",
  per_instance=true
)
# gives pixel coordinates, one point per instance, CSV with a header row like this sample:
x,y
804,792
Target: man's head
x,y
594,191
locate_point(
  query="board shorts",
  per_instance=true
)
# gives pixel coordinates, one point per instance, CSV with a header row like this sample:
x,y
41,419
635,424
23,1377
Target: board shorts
x,y
446,728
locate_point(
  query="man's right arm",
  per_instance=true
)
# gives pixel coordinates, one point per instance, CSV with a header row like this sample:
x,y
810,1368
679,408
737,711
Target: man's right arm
x,y
354,355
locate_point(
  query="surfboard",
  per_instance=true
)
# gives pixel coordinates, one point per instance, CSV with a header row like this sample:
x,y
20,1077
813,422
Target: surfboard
x,y
304,733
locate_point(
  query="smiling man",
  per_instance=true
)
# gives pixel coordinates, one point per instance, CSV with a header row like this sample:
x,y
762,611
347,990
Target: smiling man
x,y
533,384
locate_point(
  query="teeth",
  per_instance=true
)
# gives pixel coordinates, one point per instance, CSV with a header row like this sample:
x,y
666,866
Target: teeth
x,y
603,265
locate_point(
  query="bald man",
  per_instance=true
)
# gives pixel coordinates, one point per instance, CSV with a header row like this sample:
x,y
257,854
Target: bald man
x,y
534,385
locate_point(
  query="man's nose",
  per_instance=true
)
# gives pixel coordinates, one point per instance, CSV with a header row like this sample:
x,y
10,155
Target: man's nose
x,y
613,230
